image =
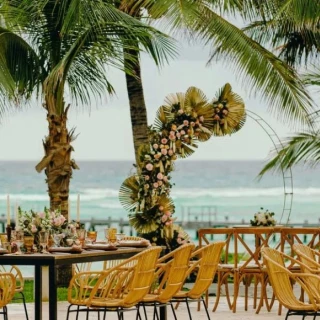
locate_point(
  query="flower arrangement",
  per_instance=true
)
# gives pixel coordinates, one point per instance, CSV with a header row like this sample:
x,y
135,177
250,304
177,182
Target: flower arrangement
x,y
184,120
31,223
263,219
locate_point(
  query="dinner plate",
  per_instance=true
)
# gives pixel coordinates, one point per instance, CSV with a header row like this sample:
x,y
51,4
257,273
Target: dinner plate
x,y
66,249
106,247
134,243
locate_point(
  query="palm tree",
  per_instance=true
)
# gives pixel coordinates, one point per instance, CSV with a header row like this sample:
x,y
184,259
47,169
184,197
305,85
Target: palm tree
x,y
202,20
54,48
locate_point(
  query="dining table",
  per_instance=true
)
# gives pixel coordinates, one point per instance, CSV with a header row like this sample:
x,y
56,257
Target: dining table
x,y
52,260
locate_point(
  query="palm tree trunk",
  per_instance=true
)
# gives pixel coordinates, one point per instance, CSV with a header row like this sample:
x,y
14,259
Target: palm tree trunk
x,y
138,110
57,160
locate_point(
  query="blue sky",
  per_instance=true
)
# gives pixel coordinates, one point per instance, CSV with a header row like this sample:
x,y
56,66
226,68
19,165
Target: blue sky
x,y
105,131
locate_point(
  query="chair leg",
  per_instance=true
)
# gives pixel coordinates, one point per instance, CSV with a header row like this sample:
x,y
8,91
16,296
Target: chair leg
x,y
24,305
155,312
205,308
188,308
173,311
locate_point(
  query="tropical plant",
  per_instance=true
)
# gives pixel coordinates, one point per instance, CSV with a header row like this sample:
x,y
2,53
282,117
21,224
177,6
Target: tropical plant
x,y
208,21
56,49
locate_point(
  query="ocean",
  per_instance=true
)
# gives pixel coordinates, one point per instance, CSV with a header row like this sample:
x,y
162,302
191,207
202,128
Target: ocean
x,y
228,190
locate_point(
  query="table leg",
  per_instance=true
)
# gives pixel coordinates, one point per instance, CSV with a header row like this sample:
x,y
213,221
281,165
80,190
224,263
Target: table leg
x,y
38,293
53,307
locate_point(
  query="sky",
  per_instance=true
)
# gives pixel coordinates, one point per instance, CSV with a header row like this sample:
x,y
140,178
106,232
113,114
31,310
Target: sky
x,y
105,130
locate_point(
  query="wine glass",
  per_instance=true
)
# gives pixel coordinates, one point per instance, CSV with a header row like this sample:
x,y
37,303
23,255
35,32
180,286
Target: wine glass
x,y
19,241
106,233
43,239
57,240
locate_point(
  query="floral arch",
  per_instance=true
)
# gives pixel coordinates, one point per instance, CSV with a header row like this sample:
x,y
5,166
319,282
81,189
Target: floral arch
x,y
185,120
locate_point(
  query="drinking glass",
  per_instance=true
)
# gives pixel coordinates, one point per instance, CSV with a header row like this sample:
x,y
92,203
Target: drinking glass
x,y
92,235
56,239
81,233
106,234
112,235
120,237
28,243
43,239
19,241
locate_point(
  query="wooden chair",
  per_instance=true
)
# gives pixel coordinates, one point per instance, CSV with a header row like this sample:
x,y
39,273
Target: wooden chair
x,y
172,270
206,267
7,289
280,278
116,289
19,284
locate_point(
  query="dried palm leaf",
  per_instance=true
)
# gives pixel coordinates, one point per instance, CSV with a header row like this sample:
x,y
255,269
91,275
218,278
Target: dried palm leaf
x,y
143,223
128,193
163,117
229,112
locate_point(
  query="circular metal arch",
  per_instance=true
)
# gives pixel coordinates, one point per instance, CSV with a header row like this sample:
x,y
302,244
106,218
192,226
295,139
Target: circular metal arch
x,y
286,174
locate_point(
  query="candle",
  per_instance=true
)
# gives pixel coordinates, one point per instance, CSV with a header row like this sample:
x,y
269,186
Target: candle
x,y
8,210
78,208
69,211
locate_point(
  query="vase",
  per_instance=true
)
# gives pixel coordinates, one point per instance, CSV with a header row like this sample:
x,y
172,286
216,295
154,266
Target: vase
x,y
28,242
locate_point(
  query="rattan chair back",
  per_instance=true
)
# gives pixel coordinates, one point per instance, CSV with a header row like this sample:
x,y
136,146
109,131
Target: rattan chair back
x,y
308,257
7,288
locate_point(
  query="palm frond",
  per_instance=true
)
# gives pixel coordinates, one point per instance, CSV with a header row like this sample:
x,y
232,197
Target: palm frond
x,y
300,148
128,193
278,83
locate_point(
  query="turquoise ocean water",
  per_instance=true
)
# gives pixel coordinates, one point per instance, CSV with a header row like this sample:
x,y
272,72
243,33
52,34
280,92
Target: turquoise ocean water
x,y
229,188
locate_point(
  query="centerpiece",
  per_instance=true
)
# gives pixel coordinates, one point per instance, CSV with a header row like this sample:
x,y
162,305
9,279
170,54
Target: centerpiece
x,y
263,218
32,223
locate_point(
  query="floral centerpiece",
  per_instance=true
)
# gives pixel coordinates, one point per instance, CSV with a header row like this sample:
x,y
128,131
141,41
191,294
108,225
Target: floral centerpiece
x,y
31,223
263,219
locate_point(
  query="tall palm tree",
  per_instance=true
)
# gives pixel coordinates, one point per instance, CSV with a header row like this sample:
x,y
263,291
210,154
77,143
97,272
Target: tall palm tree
x,y
58,48
203,20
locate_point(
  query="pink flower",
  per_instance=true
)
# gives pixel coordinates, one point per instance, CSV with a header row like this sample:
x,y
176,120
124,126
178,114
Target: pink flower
x,y
157,156
155,185
164,218
146,178
155,146
170,152
178,135
165,179
180,111
34,229
149,166
172,138
168,223
192,124
41,215
160,183
161,208
164,151
160,176
172,133
185,122
182,132
168,213
164,141
201,118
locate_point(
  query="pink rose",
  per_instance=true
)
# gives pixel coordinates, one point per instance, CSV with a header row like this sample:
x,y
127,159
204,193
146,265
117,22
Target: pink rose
x,y
157,156
34,229
168,213
170,152
180,111
185,122
149,166
146,178
155,185
41,215
178,135
172,133
164,151
160,176
160,183
201,118
172,138
161,208
182,132
164,141
155,146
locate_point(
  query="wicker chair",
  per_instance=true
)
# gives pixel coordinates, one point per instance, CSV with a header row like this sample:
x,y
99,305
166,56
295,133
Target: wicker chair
x,y
309,258
280,278
116,289
7,288
206,267
172,270
19,284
